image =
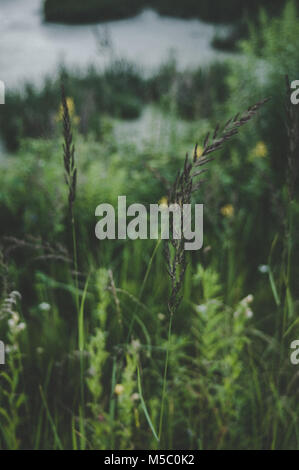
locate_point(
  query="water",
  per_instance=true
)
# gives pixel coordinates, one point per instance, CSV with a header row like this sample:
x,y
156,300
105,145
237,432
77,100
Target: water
x,y
31,49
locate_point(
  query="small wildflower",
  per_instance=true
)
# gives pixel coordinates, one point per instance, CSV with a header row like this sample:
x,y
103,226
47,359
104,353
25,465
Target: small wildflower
x,y
119,389
21,326
248,313
263,268
15,295
260,150
248,299
161,316
135,344
135,396
11,323
227,210
201,308
15,317
14,325
11,348
91,371
199,151
44,306
163,201
72,111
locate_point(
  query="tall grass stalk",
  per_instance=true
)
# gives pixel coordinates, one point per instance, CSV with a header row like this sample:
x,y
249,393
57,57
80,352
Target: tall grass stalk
x,y
181,193
71,182
70,175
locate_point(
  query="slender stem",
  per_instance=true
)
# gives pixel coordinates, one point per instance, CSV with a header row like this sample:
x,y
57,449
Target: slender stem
x,y
287,308
165,375
81,352
143,286
75,258
290,242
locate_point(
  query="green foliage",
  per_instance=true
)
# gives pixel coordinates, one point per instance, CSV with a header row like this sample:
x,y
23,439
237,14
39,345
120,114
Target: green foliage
x,y
99,421
221,334
12,398
125,403
270,54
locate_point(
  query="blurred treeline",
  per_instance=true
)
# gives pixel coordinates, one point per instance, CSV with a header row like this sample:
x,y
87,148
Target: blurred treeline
x,y
77,11
120,91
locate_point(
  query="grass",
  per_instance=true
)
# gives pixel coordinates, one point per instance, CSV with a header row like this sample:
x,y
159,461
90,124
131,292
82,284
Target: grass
x,y
180,194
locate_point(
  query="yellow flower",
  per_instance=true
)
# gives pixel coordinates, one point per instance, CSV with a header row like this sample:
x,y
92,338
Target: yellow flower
x,y
260,150
72,111
119,389
163,201
199,151
227,210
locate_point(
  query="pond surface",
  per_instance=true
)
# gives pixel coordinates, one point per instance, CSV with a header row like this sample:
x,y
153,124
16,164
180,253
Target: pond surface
x,y
31,48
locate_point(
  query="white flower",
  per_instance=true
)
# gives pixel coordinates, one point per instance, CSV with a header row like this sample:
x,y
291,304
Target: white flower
x,y
135,344
135,396
21,326
248,313
9,348
16,294
44,306
263,268
201,308
11,323
15,317
247,300
92,372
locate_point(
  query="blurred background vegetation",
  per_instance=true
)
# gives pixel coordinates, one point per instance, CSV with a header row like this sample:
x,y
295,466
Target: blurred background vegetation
x,y
71,373
74,11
